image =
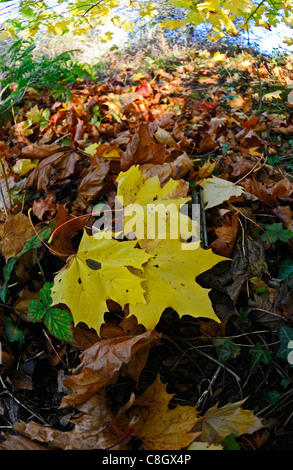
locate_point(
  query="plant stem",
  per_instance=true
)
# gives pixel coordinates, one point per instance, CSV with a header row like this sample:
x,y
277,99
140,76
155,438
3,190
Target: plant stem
x,y
6,182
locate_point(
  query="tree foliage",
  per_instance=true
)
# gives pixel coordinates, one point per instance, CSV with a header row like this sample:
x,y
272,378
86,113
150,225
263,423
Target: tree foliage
x,y
226,17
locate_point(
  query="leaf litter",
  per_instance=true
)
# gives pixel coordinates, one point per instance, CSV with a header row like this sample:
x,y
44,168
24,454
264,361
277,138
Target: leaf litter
x,y
138,344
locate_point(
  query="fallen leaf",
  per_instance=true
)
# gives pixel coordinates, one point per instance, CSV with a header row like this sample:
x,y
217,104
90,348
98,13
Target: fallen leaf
x,y
94,181
44,206
136,189
217,190
227,234
158,426
40,151
196,445
143,149
175,170
117,103
100,265
40,178
104,361
16,231
13,442
218,422
269,192
23,166
169,281
274,95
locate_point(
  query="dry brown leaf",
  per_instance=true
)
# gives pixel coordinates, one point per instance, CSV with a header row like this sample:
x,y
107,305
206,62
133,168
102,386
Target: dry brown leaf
x,y
92,429
143,149
40,151
231,418
269,192
64,164
16,231
20,443
175,170
102,363
207,169
94,182
158,426
227,235
61,239
44,206
117,103
6,360
18,379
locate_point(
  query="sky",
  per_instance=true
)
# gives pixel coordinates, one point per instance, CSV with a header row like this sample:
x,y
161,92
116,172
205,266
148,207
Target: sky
x,y
267,40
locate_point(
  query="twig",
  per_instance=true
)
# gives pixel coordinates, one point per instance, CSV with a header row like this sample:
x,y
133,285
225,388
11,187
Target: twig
x,y
6,182
51,344
19,403
3,201
128,431
237,378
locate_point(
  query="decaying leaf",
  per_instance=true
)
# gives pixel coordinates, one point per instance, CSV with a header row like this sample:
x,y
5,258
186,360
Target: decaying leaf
x,y
101,364
143,148
158,426
17,230
231,418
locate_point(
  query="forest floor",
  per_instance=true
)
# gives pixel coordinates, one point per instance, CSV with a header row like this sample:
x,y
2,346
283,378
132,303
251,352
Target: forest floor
x,y
192,118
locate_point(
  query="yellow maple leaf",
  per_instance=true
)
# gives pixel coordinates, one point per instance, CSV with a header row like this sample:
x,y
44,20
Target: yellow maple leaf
x,y
23,166
172,24
156,208
98,272
231,418
273,95
218,57
33,114
117,103
197,445
91,149
238,6
169,281
158,426
217,190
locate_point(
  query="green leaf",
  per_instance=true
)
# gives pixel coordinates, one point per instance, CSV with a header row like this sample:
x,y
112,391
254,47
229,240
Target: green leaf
x,y
243,315
285,335
286,270
273,159
271,234
285,383
226,348
45,294
33,242
230,443
59,323
36,310
285,235
117,118
13,333
276,232
273,397
7,270
259,355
